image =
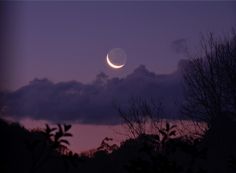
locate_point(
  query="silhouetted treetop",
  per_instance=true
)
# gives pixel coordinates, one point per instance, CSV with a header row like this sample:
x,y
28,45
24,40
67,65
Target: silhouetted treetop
x,y
211,80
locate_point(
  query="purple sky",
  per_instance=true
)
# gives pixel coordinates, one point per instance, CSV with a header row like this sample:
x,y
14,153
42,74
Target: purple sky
x,y
69,41
64,41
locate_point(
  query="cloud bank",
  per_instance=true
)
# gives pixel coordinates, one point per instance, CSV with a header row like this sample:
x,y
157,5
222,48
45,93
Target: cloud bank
x,y
94,103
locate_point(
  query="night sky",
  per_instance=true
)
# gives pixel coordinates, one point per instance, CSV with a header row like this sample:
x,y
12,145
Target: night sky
x,y
56,52
69,41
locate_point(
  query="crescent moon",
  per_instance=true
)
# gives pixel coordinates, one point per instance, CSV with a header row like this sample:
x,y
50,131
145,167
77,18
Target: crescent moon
x,y
113,65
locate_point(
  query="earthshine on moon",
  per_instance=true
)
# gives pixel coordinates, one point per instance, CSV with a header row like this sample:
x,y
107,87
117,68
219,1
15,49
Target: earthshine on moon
x,y
116,58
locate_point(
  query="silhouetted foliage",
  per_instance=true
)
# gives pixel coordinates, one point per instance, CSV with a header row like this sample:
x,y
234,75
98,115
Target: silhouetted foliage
x,y
141,116
105,146
167,132
52,143
210,80
232,163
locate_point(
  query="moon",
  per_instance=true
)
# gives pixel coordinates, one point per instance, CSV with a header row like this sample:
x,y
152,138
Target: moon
x,y
113,65
116,58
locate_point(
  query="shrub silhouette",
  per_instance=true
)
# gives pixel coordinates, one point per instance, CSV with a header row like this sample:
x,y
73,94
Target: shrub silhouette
x,y
211,90
58,141
210,80
232,162
167,133
53,143
105,146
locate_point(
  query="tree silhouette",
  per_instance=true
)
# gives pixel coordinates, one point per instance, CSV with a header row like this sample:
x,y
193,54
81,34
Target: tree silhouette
x,y
106,146
210,80
166,134
232,163
53,143
141,116
59,142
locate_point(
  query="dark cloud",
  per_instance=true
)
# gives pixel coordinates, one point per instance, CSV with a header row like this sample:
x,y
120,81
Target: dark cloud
x,y
93,103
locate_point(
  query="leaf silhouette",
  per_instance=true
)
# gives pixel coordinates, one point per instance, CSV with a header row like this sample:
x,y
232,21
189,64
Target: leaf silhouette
x,y
107,139
172,133
167,126
68,134
64,141
173,126
156,137
60,128
162,132
67,127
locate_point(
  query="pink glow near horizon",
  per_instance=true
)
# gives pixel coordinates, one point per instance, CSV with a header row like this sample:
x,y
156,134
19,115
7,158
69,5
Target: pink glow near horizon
x,y
85,137
89,137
